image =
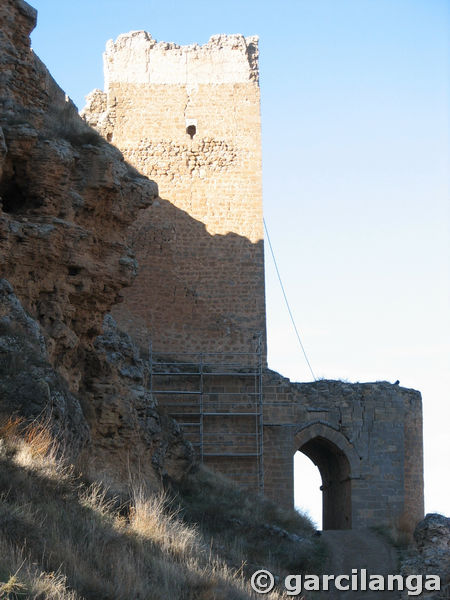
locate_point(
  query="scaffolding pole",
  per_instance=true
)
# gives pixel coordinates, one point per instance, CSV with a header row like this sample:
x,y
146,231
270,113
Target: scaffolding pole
x,y
196,400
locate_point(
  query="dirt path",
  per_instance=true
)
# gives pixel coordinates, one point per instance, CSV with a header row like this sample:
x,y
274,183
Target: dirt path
x,y
360,549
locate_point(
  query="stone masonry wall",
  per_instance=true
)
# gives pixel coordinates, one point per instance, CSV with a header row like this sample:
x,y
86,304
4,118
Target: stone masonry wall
x,y
365,438
200,251
376,426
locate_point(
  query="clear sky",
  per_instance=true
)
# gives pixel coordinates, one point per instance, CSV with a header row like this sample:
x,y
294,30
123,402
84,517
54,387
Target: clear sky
x,y
355,125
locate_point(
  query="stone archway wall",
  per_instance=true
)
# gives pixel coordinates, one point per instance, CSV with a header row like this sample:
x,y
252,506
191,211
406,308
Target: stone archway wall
x,y
319,429
377,426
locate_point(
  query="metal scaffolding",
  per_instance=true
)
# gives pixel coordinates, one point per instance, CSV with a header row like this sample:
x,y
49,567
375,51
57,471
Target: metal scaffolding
x,y
217,399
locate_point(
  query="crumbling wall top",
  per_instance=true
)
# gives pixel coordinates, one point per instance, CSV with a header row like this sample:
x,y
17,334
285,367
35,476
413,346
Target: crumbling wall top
x,y
135,57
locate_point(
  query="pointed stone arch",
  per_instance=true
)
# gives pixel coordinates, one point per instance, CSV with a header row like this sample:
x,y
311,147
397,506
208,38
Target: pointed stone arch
x,y
338,464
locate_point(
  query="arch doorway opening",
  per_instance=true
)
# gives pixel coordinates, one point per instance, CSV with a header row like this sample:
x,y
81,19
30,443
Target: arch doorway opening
x,y
334,469
307,488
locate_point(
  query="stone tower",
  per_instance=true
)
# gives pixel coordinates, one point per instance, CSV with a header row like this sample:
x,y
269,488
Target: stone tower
x,y
189,118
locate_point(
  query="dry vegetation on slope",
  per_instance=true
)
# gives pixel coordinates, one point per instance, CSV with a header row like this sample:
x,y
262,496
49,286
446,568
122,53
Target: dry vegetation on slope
x,y
62,538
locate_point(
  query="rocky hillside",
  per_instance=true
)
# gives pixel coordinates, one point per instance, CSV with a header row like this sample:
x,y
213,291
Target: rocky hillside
x,y
430,554
67,198
63,539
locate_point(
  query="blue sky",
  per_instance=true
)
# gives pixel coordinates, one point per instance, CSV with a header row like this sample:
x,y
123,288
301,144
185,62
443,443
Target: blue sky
x,y
355,107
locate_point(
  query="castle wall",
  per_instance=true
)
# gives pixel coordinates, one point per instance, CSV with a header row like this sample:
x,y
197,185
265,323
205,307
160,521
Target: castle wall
x,y
365,439
200,284
413,467
375,427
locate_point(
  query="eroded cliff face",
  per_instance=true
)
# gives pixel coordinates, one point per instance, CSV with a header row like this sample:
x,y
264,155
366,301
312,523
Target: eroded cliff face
x,y
30,388
430,554
67,199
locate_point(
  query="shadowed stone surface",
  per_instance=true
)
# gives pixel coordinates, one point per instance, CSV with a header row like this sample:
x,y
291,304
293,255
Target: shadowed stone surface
x,y
430,554
67,199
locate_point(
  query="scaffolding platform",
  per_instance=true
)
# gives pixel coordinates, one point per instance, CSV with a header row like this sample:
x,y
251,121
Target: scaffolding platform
x,y
217,400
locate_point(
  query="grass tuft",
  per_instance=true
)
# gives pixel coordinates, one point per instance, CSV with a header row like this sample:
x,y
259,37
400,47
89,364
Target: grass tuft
x,y
10,428
13,588
151,518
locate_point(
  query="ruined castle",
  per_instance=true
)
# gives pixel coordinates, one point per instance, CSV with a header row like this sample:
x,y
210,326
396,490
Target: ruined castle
x,y
189,118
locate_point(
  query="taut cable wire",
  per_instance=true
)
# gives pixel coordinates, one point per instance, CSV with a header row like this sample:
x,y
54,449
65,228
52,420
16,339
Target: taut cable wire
x,y
286,300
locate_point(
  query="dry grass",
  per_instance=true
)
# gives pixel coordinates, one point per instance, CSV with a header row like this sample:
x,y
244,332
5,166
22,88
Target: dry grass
x,y
39,440
19,578
62,539
10,428
247,529
151,518
35,435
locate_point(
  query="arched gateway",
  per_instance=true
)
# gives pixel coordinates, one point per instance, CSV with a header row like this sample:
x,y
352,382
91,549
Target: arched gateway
x,y
338,464
365,439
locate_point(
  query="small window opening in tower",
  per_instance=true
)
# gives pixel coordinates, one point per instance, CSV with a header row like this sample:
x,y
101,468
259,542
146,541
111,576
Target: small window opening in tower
x,y
191,130
191,127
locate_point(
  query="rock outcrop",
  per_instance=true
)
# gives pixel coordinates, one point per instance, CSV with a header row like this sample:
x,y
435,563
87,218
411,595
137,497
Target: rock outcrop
x,y
29,386
124,418
67,199
432,554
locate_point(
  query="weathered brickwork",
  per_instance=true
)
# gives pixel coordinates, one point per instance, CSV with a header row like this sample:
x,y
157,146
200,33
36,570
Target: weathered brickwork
x,y
189,117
